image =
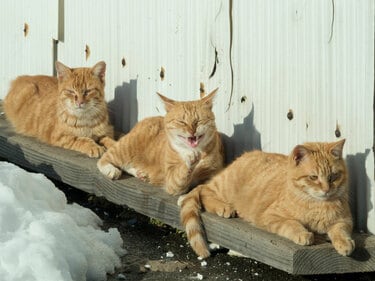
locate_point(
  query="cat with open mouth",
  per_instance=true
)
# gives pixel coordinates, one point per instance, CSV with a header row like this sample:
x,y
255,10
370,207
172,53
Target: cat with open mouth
x,y
176,151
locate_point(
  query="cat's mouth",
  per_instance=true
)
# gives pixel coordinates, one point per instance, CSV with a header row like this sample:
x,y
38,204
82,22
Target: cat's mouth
x,y
192,141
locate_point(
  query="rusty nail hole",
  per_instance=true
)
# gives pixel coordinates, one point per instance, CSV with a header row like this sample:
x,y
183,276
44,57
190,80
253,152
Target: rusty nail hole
x,y
201,90
243,99
25,29
87,51
123,62
337,131
162,73
290,114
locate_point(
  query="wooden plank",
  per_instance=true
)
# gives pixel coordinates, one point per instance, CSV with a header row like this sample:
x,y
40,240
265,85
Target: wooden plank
x,y
80,171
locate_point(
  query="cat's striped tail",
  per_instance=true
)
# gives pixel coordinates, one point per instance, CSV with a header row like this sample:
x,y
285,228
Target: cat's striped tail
x,y
190,218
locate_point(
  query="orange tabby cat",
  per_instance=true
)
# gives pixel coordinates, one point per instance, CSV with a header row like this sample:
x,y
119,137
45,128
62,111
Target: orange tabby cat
x,y
292,196
67,111
175,151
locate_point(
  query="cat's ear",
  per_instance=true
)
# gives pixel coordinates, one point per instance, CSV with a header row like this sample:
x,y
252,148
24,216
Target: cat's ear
x,y
168,103
62,70
99,70
336,148
299,153
207,100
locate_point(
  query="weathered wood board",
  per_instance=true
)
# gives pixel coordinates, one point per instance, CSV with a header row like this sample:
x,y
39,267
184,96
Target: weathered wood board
x,y
80,171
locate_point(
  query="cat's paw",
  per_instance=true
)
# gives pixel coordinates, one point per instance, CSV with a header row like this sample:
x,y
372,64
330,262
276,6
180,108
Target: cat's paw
x,y
142,176
109,171
344,245
94,151
192,159
227,211
107,142
304,238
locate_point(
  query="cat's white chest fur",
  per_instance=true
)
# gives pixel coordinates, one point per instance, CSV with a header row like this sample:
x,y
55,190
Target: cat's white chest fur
x,y
191,156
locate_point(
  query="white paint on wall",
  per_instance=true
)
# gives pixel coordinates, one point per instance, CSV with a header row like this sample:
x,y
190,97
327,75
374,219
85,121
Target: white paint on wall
x,y
26,50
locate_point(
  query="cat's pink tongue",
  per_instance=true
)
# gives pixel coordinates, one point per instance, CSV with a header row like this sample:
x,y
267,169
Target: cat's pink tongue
x,y
193,141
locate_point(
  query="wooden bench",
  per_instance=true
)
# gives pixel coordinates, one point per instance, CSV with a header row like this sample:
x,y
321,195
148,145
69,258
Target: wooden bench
x,y
79,171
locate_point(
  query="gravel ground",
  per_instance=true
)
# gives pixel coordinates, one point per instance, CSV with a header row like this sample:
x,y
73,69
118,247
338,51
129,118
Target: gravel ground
x,y
159,252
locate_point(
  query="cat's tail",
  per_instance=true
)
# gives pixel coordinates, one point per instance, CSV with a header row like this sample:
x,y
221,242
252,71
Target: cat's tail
x,y
190,218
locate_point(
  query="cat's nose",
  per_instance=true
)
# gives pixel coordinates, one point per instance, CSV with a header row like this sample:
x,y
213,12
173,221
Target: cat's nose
x,y
325,187
79,103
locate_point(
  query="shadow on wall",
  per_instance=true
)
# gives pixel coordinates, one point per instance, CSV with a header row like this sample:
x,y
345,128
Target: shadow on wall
x,y
245,138
123,109
359,189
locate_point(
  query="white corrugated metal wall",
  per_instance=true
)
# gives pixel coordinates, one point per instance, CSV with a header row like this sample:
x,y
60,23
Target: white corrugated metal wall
x,y
314,59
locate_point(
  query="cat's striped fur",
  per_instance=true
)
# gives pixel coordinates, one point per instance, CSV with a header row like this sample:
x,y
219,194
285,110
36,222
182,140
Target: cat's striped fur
x,y
176,151
68,111
292,196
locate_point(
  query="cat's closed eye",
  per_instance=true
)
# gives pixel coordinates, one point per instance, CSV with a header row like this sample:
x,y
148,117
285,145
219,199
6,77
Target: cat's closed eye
x,y
181,122
89,92
333,177
68,92
313,177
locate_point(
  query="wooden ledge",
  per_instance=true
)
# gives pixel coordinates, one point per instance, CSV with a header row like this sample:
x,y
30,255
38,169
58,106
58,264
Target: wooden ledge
x,y
80,171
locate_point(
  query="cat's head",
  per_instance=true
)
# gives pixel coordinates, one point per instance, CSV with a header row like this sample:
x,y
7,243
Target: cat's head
x,y
81,88
190,124
317,170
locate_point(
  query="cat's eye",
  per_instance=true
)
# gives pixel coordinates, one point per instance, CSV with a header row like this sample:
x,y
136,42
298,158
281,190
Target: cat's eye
x,y
68,92
180,122
313,177
333,177
86,92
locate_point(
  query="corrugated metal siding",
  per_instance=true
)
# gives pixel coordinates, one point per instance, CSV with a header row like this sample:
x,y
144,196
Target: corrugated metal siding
x,y
33,53
148,35
314,58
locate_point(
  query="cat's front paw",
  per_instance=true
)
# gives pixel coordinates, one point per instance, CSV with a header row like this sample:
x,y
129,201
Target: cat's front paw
x,y
94,151
192,159
344,245
142,176
109,171
227,211
107,142
304,238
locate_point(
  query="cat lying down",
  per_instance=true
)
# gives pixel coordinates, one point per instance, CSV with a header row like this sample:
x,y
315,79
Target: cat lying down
x,y
292,196
68,111
176,151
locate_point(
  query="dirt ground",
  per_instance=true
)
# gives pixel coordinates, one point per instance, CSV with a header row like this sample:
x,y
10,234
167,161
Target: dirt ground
x,y
159,252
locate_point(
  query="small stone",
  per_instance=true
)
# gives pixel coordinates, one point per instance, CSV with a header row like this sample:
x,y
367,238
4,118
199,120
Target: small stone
x,y
169,254
121,276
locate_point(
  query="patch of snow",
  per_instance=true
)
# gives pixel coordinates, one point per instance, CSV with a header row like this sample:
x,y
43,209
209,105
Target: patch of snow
x,y
148,266
169,254
44,238
121,276
214,246
236,254
197,277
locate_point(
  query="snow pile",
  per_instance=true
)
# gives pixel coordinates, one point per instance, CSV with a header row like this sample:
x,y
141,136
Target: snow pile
x,y
44,238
